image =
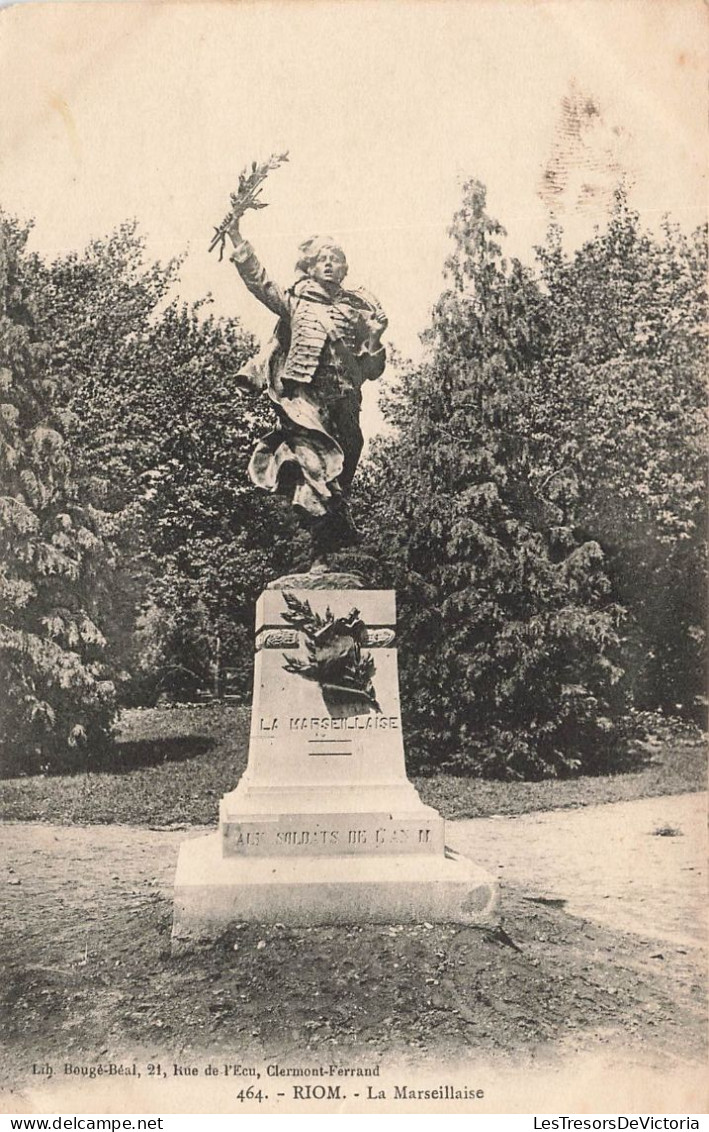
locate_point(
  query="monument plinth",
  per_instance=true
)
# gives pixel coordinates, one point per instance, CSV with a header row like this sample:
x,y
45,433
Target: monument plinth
x,y
324,826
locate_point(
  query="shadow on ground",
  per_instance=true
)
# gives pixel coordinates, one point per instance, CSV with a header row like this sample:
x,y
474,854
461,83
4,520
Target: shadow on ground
x,y
132,754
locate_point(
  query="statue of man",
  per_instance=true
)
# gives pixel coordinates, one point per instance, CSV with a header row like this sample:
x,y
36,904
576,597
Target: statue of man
x,y
327,343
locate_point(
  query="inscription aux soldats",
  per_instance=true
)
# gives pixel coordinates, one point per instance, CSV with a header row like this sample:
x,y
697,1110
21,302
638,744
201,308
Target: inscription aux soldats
x,y
376,837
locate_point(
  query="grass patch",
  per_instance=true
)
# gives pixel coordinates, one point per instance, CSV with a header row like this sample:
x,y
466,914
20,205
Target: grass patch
x,y
678,767
171,766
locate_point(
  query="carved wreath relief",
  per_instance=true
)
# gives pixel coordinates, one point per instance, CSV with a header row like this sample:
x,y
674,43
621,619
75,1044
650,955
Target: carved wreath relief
x,y
335,658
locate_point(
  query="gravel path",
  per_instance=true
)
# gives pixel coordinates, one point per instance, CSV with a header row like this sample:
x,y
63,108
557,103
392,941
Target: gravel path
x,y
633,866
605,916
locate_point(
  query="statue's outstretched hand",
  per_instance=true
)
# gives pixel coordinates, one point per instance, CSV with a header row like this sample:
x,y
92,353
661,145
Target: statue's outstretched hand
x,y
376,326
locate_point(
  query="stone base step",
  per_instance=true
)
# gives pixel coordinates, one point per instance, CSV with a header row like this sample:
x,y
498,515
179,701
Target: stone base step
x,y
212,891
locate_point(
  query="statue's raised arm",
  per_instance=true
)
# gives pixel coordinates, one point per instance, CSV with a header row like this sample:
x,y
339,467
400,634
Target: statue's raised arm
x,y
327,343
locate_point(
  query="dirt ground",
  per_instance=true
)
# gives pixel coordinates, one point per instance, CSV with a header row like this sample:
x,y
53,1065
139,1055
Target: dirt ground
x,y
636,866
89,976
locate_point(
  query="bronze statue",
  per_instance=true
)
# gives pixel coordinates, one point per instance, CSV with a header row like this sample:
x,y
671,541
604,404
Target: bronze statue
x,y
327,343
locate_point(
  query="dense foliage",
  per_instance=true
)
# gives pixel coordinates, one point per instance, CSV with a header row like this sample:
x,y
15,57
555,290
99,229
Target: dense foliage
x,y
538,501
57,688
622,391
164,437
540,496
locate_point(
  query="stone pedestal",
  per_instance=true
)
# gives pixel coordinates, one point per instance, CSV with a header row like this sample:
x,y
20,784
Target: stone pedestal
x,y
324,826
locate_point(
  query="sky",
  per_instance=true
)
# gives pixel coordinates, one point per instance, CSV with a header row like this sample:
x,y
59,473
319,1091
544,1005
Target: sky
x,y
151,109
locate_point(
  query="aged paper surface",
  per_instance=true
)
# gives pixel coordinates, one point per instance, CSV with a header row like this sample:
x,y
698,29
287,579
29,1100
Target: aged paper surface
x,y
150,110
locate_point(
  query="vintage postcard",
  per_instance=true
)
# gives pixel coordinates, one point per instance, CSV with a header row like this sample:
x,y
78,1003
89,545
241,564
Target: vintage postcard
x,y
352,519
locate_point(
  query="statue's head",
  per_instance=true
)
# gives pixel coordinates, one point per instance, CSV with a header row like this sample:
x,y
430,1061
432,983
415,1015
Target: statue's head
x,y
323,260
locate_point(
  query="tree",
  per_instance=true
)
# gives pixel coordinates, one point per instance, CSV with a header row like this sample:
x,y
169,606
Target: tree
x,y
509,632
622,390
58,691
164,435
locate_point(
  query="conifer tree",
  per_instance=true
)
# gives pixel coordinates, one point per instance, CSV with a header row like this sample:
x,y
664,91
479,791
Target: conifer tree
x,y
622,394
57,692
162,438
509,634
